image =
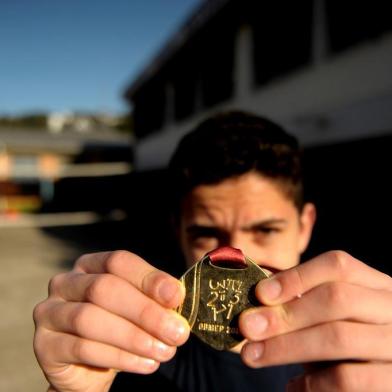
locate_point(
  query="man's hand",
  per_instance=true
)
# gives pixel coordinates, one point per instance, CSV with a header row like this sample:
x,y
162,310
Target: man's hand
x,y
113,312
332,308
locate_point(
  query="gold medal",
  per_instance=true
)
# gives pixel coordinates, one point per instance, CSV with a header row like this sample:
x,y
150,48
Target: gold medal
x,y
217,289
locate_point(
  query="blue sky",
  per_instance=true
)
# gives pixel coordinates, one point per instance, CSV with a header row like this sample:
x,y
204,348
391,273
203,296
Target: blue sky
x,y
58,55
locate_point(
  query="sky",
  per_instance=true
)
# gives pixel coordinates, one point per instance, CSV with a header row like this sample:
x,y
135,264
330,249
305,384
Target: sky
x,y
79,55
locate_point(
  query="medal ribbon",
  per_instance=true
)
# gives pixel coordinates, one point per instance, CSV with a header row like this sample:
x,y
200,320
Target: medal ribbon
x,y
227,257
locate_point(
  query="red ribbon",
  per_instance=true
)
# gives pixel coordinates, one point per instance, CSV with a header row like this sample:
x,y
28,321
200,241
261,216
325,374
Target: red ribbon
x,y
227,257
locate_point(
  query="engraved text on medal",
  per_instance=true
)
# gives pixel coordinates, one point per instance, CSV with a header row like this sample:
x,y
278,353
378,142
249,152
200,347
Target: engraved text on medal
x,y
224,295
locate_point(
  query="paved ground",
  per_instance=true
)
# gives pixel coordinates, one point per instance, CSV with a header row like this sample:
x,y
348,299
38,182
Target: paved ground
x,y
29,257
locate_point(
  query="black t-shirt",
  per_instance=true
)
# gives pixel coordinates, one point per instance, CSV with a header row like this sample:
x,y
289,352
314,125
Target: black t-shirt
x,y
198,368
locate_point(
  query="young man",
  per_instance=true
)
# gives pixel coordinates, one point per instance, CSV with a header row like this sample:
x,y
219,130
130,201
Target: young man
x,y
236,181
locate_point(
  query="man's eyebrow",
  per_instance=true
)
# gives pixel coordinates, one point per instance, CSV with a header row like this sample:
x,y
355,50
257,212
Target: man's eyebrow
x,y
204,228
266,223
197,228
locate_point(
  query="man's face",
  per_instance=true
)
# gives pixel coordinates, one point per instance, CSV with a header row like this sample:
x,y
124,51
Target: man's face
x,y
249,212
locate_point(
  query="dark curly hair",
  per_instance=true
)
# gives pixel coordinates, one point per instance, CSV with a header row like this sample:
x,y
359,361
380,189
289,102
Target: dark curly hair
x,y
233,143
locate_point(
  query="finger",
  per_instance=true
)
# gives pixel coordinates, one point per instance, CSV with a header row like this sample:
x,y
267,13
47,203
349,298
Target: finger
x,y
332,341
119,297
60,348
358,377
337,301
328,267
94,323
155,283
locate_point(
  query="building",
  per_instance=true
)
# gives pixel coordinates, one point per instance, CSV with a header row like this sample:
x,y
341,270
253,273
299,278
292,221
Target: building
x,y
321,68
62,170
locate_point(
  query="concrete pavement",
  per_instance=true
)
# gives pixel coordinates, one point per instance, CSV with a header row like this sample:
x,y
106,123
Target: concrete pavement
x,y
29,256
28,259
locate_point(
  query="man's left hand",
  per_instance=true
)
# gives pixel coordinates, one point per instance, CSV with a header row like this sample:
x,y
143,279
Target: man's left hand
x,y
332,308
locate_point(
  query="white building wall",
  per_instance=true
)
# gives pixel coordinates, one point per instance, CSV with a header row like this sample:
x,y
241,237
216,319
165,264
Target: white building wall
x,y
345,97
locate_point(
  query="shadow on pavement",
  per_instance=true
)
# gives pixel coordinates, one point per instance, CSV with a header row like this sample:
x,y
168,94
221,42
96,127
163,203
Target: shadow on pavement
x,y
146,231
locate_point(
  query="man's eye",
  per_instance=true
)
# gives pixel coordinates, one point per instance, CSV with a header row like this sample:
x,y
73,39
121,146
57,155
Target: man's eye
x,y
201,235
268,230
198,236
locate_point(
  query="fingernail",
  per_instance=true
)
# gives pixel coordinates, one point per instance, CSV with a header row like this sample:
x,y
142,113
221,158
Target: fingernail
x,y
174,329
255,324
168,290
147,362
161,347
270,289
254,351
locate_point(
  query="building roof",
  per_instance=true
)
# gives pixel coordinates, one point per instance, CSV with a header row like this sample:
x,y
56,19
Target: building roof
x,y
35,141
203,13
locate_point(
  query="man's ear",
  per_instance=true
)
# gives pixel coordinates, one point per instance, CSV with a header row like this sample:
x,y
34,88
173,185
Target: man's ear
x,y
307,220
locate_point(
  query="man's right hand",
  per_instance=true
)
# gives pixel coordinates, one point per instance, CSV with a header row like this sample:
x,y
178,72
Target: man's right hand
x,y
113,312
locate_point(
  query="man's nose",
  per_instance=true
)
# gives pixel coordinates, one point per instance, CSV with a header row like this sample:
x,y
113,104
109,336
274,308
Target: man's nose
x,y
238,241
